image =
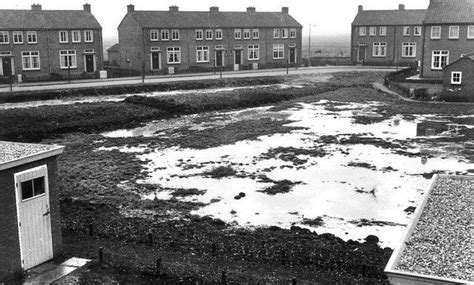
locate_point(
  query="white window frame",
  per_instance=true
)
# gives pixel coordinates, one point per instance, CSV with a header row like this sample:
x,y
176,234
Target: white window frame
x,y
453,32
30,35
5,38
441,54
383,31
379,49
165,35
276,33
436,32
17,35
253,52
237,34
284,33
63,37
292,33
456,77
406,30
27,60
219,34
75,34
247,34
409,49
154,35
278,51
175,35
199,34
173,55
417,30
255,34
202,54
470,32
372,31
362,31
88,36
66,58
209,34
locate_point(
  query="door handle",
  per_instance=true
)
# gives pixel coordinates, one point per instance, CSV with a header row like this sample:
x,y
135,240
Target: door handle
x,y
47,212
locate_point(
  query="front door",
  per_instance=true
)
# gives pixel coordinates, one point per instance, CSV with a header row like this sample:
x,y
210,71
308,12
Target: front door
x,y
90,63
292,55
219,61
7,66
34,219
155,60
238,57
361,54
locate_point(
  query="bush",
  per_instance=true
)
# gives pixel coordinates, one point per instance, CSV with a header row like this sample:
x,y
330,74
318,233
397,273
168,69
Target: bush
x,y
446,97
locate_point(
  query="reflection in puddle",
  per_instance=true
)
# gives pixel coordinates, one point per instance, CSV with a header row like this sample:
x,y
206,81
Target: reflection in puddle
x,y
352,189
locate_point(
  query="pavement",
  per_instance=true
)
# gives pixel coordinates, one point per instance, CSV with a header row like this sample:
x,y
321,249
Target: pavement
x,y
4,88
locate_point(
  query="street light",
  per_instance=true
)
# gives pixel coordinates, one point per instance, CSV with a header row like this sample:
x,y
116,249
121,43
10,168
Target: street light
x,y
309,47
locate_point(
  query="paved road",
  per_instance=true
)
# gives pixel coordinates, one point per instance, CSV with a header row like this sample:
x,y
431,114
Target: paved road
x,y
184,77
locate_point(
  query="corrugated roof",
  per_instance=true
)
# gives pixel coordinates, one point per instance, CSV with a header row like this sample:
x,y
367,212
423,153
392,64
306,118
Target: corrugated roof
x,y
47,19
389,17
450,12
188,19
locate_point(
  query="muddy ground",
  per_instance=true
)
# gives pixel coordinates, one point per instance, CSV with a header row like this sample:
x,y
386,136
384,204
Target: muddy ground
x,y
101,206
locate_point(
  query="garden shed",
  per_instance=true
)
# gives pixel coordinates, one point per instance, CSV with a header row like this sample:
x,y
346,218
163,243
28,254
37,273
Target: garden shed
x,y
458,77
29,206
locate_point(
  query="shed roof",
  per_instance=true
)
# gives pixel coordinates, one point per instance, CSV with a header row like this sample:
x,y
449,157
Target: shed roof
x,y
389,17
469,57
114,48
47,19
450,12
191,19
13,154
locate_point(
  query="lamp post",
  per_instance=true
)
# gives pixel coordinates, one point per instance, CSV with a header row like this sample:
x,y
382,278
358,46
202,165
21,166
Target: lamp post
x,y
309,46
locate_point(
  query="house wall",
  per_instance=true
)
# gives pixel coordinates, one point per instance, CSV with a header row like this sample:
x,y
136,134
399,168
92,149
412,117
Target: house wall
x,y
131,44
456,48
10,261
466,88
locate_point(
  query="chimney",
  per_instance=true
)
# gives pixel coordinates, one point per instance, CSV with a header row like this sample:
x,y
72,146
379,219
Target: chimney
x,y
36,7
174,8
251,9
214,9
87,7
130,8
401,7
284,10
361,8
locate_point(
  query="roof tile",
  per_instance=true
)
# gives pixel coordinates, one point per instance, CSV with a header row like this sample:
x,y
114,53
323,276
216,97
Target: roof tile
x,y
389,17
450,12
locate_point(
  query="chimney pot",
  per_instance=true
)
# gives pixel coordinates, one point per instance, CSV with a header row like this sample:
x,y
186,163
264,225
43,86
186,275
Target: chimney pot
x,y
361,8
87,7
284,10
130,8
214,9
401,7
36,7
174,8
251,9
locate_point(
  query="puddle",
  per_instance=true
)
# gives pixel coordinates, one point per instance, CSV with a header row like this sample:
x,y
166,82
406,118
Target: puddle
x,y
354,189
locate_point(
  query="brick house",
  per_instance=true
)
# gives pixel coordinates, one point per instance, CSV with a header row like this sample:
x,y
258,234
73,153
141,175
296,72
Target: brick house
x,y
29,207
448,29
387,36
458,77
160,41
37,43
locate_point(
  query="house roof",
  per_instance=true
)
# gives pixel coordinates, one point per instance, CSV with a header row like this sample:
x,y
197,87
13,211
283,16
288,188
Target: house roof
x,y
450,12
389,17
114,48
13,154
47,19
189,19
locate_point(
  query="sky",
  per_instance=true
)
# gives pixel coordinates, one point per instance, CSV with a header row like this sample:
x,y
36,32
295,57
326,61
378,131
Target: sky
x,y
326,17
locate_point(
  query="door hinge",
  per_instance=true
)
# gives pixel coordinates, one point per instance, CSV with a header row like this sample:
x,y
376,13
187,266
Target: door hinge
x,y
19,224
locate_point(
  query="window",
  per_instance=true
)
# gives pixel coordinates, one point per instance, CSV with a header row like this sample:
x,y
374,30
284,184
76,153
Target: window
x,y
456,77
202,54
470,32
209,34
293,33
174,55
439,59
408,49
284,33
63,37
255,34
417,31
253,52
379,50
154,35
276,33
4,38
67,59
454,32
199,35
237,34
218,34
88,36
406,31
436,32
175,35
278,51
372,31
30,60
76,36
165,35
32,188
17,37
31,37
383,31
247,34
362,31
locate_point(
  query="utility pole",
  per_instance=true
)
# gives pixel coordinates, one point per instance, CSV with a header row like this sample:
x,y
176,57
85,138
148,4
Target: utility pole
x,y
309,47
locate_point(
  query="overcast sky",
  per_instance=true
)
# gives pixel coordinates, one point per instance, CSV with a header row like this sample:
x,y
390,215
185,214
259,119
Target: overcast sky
x,y
327,17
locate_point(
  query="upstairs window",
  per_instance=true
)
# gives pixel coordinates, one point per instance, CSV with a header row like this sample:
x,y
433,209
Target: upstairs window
x,y
88,36
383,31
406,31
293,33
63,37
218,34
154,35
175,35
255,34
31,37
454,32
165,35
4,39
362,31
456,77
436,32
17,37
247,34
417,31
284,33
237,34
199,35
276,33
209,34
372,31
470,32
76,36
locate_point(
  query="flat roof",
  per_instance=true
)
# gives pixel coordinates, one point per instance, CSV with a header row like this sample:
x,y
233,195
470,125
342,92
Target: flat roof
x,y
13,154
438,242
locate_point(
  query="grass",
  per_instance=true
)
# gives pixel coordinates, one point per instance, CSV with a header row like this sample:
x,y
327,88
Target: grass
x,y
280,187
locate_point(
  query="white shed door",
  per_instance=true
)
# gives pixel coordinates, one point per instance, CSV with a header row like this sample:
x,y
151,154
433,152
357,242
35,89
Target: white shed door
x,y
34,219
